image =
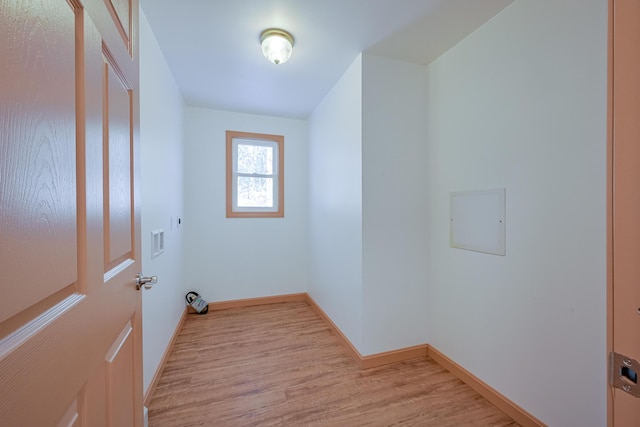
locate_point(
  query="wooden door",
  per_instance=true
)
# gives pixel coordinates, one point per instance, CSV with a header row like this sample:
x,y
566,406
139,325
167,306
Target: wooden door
x,y
624,331
70,326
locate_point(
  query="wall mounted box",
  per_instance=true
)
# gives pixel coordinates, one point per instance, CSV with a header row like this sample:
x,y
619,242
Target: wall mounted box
x,y
157,242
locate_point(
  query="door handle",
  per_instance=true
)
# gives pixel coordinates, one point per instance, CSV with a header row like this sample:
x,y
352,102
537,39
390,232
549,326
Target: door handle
x,y
146,281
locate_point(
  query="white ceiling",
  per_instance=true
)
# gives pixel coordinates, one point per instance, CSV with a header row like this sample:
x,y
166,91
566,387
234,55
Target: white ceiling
x,y
213,48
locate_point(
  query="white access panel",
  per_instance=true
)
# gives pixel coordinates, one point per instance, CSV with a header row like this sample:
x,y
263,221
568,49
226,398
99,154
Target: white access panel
x,y
478,220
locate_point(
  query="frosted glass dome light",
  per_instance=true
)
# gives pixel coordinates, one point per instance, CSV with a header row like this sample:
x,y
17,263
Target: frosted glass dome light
x,y
277,45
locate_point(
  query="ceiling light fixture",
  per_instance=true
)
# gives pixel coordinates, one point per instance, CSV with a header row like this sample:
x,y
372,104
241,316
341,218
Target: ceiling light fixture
x,y
277,45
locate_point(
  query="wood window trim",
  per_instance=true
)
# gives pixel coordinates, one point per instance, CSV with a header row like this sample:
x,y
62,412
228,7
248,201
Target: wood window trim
x,y
279,140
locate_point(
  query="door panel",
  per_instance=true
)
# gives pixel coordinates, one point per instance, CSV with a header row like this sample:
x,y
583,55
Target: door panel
x,y
626,197
117,175
70,335
71,418
121,14
120,391
38,174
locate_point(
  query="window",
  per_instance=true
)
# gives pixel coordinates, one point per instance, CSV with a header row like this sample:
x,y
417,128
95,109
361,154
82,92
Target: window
x,y
255,175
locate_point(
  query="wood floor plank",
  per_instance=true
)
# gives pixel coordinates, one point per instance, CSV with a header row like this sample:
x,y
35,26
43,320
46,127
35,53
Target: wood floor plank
x,y
280,365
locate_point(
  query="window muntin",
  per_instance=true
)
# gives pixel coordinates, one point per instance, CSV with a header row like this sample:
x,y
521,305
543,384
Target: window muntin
x,y
255,181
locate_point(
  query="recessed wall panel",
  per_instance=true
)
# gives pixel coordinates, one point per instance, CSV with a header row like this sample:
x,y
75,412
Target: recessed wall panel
x,y
477,220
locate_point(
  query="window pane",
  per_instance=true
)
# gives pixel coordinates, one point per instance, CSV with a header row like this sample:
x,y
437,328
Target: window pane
x,y
255,159
255,192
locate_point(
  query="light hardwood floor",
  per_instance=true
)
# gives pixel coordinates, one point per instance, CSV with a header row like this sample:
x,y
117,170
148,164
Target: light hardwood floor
x,y
280,365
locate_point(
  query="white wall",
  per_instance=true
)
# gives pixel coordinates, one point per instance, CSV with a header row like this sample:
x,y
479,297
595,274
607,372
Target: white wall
x,y
521,104
335,204
367,205
237,258
161,136
394,205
